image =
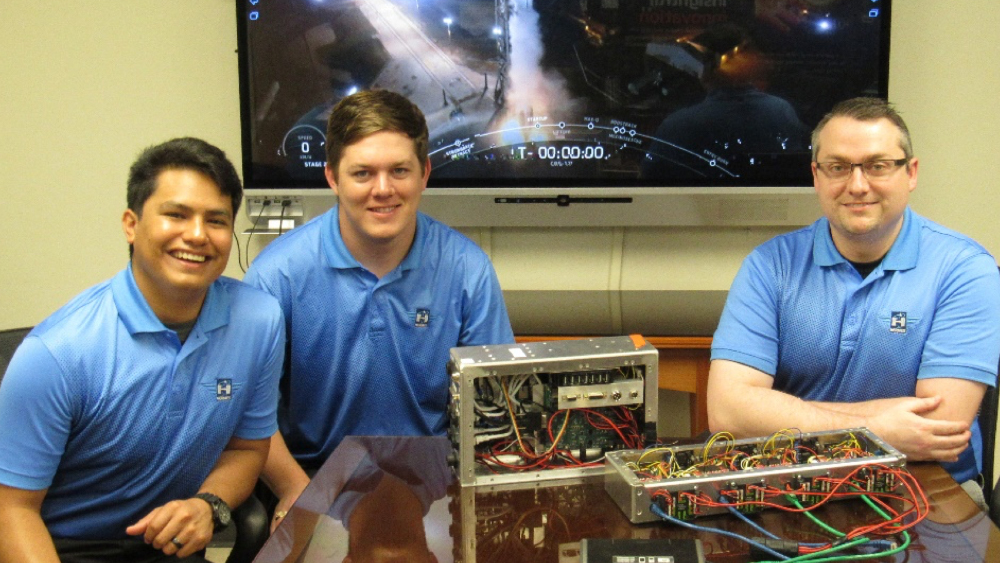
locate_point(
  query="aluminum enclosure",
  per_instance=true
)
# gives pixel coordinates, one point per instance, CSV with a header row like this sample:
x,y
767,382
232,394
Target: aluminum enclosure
x,y
633,491
511,397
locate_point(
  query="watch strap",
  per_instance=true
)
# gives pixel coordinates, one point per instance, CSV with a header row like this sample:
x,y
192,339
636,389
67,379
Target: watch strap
x,y
221,513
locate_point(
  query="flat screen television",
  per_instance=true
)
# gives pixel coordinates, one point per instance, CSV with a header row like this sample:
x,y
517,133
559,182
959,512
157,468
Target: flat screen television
x,y
567,112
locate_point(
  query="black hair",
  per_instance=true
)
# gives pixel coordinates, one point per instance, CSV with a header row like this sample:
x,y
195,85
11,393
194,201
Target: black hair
x,y
185,153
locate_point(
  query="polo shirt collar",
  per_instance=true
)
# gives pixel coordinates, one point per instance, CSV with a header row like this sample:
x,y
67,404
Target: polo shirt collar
x,y
338,257
138,316
334,250
902,254
905,251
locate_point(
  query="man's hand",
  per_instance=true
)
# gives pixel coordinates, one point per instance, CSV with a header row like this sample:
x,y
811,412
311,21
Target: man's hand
x,y
905,424
180,527
284,476
285,504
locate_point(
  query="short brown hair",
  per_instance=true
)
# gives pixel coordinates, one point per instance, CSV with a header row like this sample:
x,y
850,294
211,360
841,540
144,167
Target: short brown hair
x,y
866,109
371,111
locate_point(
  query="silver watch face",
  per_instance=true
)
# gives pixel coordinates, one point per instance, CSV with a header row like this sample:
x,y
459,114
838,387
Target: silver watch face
x,y
222,510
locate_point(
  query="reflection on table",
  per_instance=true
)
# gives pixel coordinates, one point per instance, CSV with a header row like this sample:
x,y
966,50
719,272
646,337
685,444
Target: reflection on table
x,y
394,499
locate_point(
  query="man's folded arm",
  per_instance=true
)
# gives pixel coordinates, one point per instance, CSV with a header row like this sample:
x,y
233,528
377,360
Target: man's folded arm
x,y
930,426
742,401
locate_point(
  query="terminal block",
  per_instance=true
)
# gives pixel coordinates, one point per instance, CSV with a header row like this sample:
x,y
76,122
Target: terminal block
x,y
750,474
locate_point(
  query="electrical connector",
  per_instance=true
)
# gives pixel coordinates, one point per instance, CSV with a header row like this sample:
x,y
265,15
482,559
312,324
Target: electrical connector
x,y
784,547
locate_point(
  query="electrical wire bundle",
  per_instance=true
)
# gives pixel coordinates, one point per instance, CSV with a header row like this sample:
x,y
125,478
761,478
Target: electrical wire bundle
x,y
517,433
874,483
720,454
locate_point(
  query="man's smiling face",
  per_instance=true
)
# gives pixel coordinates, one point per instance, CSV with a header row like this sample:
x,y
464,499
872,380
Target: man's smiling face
x,y
379,181
182,239
863,212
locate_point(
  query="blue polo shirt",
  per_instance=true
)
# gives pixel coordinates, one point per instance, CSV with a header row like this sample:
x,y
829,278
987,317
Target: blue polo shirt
x,y
800,312
368,356
104,407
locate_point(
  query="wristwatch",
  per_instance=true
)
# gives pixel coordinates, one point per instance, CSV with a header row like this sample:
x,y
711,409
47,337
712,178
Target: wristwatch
x,y
221,514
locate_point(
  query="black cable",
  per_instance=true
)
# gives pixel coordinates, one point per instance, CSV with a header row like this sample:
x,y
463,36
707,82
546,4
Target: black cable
x,y
253,228
281,219
239,252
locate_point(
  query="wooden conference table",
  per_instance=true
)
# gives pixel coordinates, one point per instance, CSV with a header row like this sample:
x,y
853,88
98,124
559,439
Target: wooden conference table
x,y
399,492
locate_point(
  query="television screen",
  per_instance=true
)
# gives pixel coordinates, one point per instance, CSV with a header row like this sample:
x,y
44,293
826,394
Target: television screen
x,y
563,94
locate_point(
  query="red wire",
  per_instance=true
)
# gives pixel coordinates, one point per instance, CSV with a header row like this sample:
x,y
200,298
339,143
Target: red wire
x,y
845,487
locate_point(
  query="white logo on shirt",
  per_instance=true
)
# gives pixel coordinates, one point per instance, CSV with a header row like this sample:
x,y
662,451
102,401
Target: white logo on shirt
x,y
897,322
423,318
223,389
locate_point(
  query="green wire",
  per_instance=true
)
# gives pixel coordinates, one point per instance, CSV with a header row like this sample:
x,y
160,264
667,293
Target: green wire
x,y
795,501
822,556
812,557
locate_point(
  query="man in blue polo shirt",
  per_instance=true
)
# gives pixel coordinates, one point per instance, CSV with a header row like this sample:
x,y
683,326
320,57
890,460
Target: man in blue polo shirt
x,y
134,416
872,316
374,295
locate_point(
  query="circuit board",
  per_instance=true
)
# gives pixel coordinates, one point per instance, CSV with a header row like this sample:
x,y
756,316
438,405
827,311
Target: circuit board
x,y
752,474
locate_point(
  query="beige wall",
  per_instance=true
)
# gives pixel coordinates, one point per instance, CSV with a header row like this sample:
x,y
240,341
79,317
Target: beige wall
x,y
85,85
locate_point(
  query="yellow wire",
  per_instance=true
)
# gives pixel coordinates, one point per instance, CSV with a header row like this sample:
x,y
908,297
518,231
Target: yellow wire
x,y
513,417
729,438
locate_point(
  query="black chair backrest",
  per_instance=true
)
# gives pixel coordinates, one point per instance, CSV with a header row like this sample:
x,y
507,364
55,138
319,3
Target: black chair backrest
x,y
988,428
9,341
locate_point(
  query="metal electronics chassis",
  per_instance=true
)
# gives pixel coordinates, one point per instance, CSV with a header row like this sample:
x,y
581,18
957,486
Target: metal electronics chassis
x,y
633,495
468,363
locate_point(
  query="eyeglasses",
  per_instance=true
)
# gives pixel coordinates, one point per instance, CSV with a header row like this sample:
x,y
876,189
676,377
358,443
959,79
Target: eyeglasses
x,y
872,169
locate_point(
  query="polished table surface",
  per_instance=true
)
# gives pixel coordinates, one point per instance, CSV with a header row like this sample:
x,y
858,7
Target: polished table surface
x,y
400,503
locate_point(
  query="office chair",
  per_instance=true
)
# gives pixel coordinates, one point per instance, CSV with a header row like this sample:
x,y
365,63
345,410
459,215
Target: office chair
x,y
987,419
249,519
988,427
9,341
252,530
